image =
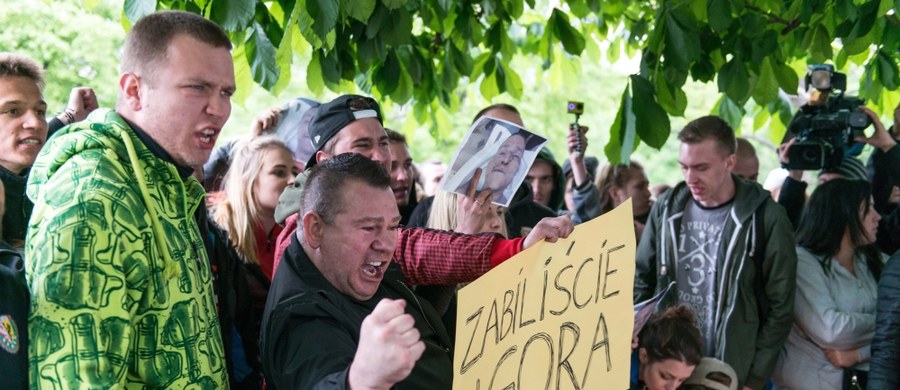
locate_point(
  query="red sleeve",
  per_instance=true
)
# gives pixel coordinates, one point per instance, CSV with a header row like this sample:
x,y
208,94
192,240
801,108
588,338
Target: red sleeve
x,y
284,239
505,249
437,257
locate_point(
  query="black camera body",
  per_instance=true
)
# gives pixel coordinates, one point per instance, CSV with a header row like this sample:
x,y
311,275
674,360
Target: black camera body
x,y
826,133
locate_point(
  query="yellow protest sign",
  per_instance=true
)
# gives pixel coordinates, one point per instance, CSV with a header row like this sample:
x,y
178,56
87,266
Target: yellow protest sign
x,y
555,316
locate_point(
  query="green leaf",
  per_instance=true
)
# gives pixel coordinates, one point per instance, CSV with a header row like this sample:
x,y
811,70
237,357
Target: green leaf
x,y
242,78
324,14
136,9
820,46
331,69
734,81
387,76
283,58
572,40
651,121
378,19
887,71
360,10
261,56
766,89
233,15
370,51
500,75
404,90
622,134
730,111
673,100
462,61
719,12
787,78
393,4
398,30
513,83
682,47
489,88
515,8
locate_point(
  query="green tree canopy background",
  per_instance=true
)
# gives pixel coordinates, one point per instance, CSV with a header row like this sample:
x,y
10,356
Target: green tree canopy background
x,y
420,51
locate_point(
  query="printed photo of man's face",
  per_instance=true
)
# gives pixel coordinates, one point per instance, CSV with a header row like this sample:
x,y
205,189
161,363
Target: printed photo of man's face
x,y
502,169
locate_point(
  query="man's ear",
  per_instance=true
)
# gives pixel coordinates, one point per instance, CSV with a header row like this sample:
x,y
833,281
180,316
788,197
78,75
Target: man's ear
x,y
130,86
642,356
731,161
312,229
321,156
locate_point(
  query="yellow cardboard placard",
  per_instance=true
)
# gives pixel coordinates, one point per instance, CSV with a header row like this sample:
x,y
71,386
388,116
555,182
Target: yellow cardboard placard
x,y
555,316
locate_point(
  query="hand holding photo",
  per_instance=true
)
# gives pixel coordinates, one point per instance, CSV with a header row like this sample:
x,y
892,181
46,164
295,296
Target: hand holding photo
x,y
504,152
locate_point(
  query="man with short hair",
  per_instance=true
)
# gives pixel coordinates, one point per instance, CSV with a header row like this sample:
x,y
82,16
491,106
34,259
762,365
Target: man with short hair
x,y
403,181
23,131
122,289
746,165
339,313
728,248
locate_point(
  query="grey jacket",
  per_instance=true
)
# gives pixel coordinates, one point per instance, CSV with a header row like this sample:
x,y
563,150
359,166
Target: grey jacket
x,y
746,342
833,309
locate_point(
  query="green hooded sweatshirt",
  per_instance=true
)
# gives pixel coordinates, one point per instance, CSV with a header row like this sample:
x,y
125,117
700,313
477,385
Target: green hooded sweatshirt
x,y
122,289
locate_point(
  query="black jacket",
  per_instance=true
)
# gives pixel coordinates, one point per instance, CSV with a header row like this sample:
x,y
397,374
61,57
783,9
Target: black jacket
x,y
18,207
884,173
230,284
14,300
310,330
524,213
883,367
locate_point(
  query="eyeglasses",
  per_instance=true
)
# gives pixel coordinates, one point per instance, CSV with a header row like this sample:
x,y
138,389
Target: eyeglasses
x,y
362,103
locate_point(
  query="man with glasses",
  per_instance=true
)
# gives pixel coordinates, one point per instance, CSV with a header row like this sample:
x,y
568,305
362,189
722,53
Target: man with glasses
x,y
122,289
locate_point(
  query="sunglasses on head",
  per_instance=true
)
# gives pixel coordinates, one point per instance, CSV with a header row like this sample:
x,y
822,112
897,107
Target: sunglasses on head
x,y
362,103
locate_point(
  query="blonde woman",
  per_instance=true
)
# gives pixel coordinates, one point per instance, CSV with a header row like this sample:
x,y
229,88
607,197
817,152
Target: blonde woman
x,y
445,210
261,168
444,215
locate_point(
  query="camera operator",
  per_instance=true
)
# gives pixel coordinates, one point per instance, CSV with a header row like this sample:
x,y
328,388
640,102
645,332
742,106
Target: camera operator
x,y
883,175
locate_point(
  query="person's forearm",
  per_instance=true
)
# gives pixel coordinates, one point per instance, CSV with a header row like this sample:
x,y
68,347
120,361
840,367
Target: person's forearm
x,y
436,257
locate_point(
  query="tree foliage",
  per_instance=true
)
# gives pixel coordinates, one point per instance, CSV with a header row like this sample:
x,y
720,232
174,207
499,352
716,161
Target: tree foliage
x,y
421,51
77,47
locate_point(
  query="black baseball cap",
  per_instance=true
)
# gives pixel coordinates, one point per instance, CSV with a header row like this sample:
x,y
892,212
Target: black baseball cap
x,y
335,115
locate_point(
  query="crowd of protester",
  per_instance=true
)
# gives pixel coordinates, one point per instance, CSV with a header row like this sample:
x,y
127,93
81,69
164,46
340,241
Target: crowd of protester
x,y
315,253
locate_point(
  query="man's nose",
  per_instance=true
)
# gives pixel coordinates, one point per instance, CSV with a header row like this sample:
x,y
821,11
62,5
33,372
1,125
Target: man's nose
x,y
386,241
33,120
219,106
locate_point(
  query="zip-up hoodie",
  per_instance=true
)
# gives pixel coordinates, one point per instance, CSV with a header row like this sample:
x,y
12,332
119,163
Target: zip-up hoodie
x,y
743,340
121,287
557,199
